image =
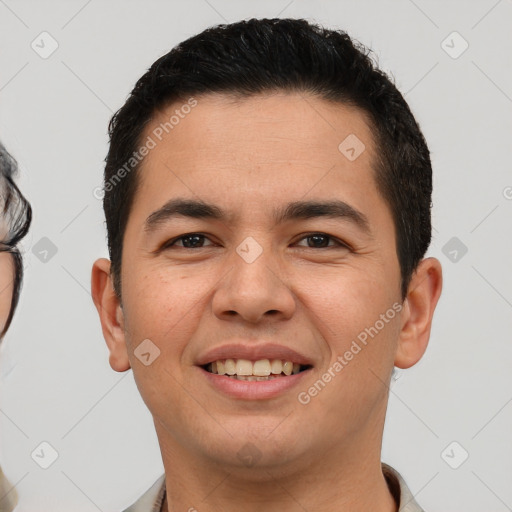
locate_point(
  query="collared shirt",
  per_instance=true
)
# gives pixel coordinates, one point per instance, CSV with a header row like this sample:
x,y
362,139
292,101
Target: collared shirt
x,y
8,496
152,500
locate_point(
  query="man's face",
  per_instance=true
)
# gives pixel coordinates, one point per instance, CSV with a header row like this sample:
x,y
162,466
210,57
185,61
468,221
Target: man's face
x,y
307,282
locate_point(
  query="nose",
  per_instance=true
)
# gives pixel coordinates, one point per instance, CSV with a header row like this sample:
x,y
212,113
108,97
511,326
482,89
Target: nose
x,y
253,291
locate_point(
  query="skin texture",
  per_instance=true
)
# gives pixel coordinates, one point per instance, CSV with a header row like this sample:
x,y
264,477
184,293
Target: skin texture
x,y
249,157
6,286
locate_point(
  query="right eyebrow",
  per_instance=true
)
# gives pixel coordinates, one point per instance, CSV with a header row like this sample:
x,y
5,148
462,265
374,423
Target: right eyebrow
x,y
182,207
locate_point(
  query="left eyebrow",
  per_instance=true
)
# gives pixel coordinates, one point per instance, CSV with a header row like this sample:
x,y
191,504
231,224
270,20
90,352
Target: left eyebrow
x,y
334,209
298,210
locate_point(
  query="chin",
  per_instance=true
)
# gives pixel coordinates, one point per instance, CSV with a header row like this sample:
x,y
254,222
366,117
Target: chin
x,y
253,452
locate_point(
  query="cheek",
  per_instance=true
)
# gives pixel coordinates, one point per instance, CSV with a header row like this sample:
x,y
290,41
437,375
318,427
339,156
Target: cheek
x,y
355,315
166,308
358,342
347,299
164,305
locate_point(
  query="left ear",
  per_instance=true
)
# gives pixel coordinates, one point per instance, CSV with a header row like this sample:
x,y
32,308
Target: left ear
x,y
419,305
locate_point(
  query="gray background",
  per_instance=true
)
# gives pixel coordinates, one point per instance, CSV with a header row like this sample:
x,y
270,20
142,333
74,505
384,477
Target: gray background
x,y
56,384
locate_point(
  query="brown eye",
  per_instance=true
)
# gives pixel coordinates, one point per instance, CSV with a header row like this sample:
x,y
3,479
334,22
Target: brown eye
x,y
188,241
318,241
321,241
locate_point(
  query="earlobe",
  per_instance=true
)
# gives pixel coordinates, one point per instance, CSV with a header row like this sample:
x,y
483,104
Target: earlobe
x,y
420,303
111,314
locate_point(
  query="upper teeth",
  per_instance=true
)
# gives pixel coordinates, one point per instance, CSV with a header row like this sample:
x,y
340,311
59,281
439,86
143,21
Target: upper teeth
x,y
261,367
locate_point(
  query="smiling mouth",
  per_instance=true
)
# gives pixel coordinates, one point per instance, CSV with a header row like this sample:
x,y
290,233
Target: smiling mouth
x,y
260,370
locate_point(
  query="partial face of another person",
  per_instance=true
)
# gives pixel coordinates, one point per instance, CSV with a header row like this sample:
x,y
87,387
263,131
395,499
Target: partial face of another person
x,y
6,287
294,257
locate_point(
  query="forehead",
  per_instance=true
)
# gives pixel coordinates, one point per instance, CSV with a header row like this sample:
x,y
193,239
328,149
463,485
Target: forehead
x,y
291,140
277,130
280,122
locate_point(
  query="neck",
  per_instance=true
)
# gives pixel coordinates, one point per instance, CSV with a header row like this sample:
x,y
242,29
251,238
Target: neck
x,y
340,480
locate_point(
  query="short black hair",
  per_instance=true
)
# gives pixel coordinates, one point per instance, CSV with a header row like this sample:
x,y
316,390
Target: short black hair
x,y
15,217
269,55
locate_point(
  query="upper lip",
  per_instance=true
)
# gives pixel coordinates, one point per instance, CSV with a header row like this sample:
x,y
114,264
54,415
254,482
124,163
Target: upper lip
x,y
253,352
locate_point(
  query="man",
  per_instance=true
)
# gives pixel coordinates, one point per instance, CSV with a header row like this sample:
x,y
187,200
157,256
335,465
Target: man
x,y
15,218
267,198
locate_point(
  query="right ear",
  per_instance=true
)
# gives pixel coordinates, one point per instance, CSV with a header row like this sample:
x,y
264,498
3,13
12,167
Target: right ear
x,y
111,314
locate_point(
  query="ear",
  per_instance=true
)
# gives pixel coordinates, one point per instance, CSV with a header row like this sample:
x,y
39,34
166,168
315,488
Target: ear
x,y
111,314
419,305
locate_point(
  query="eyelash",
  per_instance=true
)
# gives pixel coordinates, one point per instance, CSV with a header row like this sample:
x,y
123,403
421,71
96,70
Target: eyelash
x,y
171,243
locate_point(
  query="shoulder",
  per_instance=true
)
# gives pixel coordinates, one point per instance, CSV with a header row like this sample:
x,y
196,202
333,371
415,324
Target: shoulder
x,y
399,490
8,496
151,500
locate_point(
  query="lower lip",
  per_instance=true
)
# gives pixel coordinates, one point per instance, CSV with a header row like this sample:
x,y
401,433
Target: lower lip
x,y
253,390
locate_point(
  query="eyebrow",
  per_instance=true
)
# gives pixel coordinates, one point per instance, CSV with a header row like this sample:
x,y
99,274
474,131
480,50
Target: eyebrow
x,y
297,210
